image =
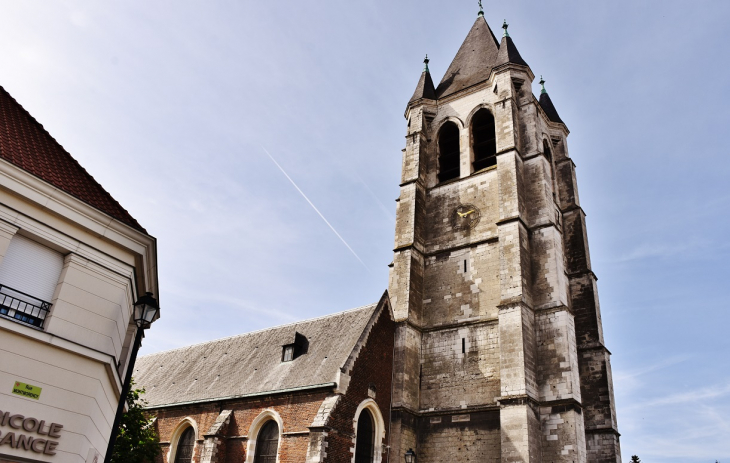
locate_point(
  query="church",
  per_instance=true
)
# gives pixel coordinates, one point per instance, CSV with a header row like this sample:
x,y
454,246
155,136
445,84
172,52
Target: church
x,y
487,345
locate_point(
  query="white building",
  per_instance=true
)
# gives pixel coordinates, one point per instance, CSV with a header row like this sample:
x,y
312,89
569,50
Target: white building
x,y
72,263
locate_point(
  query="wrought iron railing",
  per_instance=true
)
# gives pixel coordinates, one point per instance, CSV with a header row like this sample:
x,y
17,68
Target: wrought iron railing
x,y
23,307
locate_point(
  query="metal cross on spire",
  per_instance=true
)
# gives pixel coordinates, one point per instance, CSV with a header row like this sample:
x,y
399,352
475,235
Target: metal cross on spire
x,y
425,64
542,83
505,26
481,9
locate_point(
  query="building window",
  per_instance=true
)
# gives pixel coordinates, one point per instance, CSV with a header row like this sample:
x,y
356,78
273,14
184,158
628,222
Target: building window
x,y
267,443
185,446
549,155
364,447
484,140
295,350
449,152
29,273
288,355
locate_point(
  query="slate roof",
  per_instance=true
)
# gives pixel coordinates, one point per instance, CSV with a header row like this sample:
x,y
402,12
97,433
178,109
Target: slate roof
x,y
251,363
547,105
424,89
25,143
508,53
473,62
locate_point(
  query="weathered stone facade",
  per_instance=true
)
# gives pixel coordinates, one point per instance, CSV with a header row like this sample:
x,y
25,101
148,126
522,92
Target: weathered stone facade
x,y
499,348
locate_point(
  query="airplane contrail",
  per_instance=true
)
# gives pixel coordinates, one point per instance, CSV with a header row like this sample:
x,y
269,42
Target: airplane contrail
x,y
314,207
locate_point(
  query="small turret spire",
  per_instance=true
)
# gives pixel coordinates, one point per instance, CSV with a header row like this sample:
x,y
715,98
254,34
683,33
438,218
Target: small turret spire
x,y
481,9
425,64
542,82
505,26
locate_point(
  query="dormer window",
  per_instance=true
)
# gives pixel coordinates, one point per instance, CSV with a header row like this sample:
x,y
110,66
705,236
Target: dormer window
x,y
288,355
296,349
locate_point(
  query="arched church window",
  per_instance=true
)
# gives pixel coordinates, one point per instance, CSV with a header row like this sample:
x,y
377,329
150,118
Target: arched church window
x,y
449,151
185,445
267,443
484,140
365,438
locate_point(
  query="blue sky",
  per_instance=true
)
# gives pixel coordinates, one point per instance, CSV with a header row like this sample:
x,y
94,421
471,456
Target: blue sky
x,y
173,105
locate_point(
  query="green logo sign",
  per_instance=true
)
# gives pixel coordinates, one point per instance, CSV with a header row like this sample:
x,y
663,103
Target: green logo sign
x,y
27,390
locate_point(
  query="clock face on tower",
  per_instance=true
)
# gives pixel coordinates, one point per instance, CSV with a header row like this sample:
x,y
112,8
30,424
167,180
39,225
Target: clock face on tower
x,y
465,217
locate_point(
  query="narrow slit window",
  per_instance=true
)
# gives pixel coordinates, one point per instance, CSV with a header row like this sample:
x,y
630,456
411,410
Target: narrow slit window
x,y
465,266
463,345
449,152
484,140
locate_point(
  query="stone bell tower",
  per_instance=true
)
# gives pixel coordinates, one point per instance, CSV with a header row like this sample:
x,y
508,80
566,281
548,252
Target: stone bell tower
x,y
499,347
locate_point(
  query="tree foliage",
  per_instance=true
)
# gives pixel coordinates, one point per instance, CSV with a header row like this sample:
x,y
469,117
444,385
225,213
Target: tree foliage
x,y
635,459
137,440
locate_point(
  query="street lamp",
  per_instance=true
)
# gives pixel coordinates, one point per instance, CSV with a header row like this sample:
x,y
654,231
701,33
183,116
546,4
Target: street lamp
x,y
145,312
410,456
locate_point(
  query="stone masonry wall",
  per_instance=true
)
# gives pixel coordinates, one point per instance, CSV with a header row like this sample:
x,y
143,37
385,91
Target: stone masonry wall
x,y
460,367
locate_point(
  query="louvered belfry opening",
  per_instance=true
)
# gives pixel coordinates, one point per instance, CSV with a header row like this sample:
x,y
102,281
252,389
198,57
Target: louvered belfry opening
x,y
185,445
267,443
484,140
365,438
449,151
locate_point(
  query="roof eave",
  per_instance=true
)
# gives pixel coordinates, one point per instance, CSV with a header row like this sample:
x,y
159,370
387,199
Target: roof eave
x,y
245,396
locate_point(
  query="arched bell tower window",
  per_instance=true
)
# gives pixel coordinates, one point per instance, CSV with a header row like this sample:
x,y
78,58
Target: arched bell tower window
x,y
267,443
185,446
549,155
449,151
364,447
484,140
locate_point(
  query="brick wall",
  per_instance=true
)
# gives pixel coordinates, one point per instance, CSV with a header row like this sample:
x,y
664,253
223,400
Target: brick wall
x,y
373,366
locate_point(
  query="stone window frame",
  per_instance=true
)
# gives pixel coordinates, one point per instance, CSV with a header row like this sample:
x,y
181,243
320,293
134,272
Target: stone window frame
x,y
546,140
468,122
437,150
186,423
253,433
379,423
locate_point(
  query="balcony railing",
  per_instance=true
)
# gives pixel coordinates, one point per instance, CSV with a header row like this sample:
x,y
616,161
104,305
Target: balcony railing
x,y
23,307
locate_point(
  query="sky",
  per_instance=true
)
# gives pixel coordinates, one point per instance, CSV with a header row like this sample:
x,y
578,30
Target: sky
x,y
260,143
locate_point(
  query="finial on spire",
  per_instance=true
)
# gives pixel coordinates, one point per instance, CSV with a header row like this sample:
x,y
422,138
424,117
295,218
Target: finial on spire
x,y
505,26
425,64
542,82
481,10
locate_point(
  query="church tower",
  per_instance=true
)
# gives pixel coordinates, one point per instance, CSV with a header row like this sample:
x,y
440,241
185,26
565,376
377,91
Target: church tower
x,y
499,352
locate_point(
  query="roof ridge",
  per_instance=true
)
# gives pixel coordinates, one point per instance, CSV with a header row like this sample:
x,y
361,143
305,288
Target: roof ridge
x,y
362,307
33,120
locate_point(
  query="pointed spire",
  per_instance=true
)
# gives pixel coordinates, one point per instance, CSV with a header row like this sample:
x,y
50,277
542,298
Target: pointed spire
x,y
547,104
507,50
425,87
473,62
481,10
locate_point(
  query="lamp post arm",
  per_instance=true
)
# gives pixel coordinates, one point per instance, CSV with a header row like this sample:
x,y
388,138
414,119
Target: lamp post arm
x,y
123,397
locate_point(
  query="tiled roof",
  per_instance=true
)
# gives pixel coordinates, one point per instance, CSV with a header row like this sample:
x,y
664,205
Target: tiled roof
x,y
252,363
25,143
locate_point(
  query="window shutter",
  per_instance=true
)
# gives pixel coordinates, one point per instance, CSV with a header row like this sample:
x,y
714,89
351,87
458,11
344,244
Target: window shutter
x,y
31,268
